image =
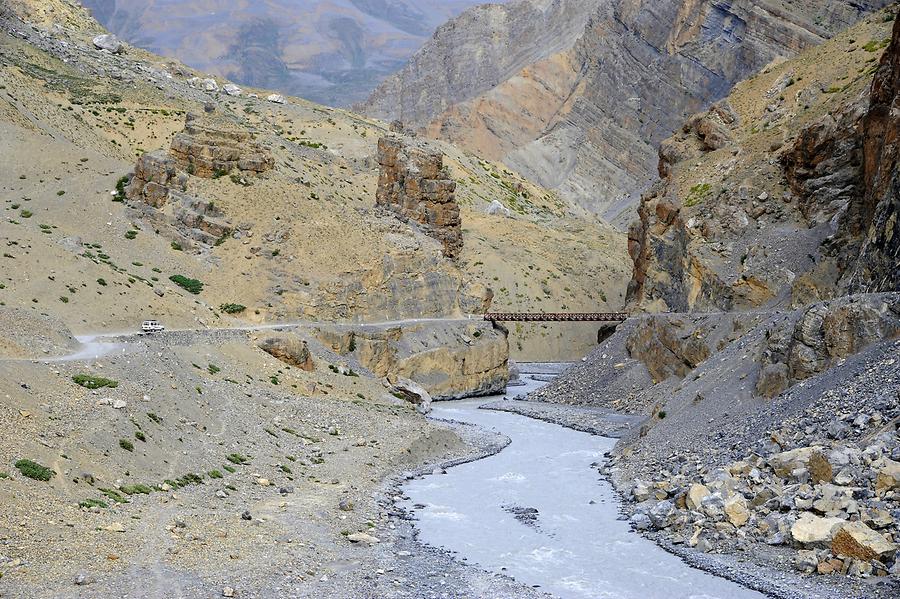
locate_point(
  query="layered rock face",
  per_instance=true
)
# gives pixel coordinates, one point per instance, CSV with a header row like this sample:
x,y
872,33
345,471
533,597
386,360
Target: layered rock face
x,y
471,54
877,218
208,151
595,112
450,360
156,175
414,185
790,200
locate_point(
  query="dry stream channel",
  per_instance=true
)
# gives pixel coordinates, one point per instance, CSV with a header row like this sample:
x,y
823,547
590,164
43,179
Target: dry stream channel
x,y
539,512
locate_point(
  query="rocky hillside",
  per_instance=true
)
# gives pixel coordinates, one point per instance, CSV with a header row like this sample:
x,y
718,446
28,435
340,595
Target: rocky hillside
x,y
586,119
334,52
203,220
769,391
782,194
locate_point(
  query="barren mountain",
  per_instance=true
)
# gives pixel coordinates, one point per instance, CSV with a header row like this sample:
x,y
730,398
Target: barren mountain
x,y
586,119
329,51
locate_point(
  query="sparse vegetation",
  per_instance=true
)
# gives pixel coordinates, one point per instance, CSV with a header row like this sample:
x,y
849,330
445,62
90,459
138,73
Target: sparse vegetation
x,y
89,381
232,308
236,458
119,196
697,194
190,285
33,470
126,444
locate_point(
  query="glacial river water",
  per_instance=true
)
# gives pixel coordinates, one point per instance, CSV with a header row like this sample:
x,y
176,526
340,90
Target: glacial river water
x,y
574,545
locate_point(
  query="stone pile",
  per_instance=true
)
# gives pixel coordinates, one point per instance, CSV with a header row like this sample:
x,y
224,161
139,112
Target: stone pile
x,y
826,482
414,185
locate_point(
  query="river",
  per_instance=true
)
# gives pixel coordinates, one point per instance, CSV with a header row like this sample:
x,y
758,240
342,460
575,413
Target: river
x,y
573,545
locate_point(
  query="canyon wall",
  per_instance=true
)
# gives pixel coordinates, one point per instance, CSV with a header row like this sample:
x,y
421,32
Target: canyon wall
x,y
586,119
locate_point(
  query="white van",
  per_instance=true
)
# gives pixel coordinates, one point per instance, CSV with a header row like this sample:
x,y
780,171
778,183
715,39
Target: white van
x,y
152,326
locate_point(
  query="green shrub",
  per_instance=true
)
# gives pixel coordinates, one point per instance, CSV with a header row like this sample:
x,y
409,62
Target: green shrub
x,y
177,246
154,417
136,489
236,458
213,369
26,214
215,474
120,190
89,503
35,471
114,495
140,436
231,469
101,282
126,444
190,285
232,308
662,414
89,381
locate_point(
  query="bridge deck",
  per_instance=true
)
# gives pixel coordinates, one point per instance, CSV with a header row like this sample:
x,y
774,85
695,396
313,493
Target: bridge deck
x,y
556,317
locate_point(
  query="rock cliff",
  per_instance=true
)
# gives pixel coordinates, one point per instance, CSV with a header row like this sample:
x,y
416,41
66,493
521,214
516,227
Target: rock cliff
x,y
450,360
784,194
586,120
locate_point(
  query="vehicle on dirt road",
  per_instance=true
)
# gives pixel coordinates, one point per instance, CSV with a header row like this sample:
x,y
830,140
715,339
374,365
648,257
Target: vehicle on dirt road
x,y
152,326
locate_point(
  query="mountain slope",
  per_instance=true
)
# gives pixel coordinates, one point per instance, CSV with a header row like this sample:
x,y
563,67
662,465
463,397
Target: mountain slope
x,y
586,120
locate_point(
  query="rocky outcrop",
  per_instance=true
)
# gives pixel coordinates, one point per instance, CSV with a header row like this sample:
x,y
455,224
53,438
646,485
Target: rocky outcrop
x,y
743,220
290,349
414,185
594,112
825,334
450,360
878,215
209,150
155,176
397,286
667,348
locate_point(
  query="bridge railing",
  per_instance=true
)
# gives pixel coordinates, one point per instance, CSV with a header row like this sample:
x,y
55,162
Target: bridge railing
x,y
556,316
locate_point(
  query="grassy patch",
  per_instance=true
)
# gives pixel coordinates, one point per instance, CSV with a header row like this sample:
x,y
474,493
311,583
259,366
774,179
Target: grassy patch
x,y
154,417
89,503
126,444
114,495
137,489
697,194
215,474
190,285
89,381
33,470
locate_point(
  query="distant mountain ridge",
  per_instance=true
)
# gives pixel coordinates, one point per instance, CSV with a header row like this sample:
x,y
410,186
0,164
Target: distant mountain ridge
x,y
329,51
586,119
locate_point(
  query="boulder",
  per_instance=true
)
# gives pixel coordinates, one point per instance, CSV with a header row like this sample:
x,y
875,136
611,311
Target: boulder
x,y
855,539
108,42
496,208
663,514
888,478
812,531
737,511
412,392
695,496
291,350
232,90
276,98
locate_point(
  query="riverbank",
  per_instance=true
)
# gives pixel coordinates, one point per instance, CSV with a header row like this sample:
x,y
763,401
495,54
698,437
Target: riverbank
x,y
771,570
